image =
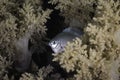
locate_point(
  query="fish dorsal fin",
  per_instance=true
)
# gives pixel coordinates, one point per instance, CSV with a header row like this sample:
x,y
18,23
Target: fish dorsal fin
x,y
74,31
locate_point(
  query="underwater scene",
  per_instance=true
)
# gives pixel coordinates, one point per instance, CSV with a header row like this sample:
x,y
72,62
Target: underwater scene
x,y
59,39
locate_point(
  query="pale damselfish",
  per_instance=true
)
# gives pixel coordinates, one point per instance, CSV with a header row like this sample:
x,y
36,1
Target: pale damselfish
x,y
58,43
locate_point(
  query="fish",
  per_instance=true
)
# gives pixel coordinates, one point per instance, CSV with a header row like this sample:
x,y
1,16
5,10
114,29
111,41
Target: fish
x,y
59,42
23,54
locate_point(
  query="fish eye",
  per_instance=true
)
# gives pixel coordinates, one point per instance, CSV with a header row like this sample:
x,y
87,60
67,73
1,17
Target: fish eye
x,y
54,44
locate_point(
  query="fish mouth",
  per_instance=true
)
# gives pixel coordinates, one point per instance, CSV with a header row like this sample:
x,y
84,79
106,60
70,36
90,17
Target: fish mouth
x,y
55,49
58,49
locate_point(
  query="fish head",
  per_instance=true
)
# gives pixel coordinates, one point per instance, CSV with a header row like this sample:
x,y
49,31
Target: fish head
x,y
56,46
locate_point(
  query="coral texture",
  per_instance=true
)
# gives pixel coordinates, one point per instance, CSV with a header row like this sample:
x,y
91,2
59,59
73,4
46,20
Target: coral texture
x,y
93,56
96,53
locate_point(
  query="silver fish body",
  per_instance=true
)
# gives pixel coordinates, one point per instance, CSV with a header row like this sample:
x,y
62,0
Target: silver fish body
x,y
58,43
